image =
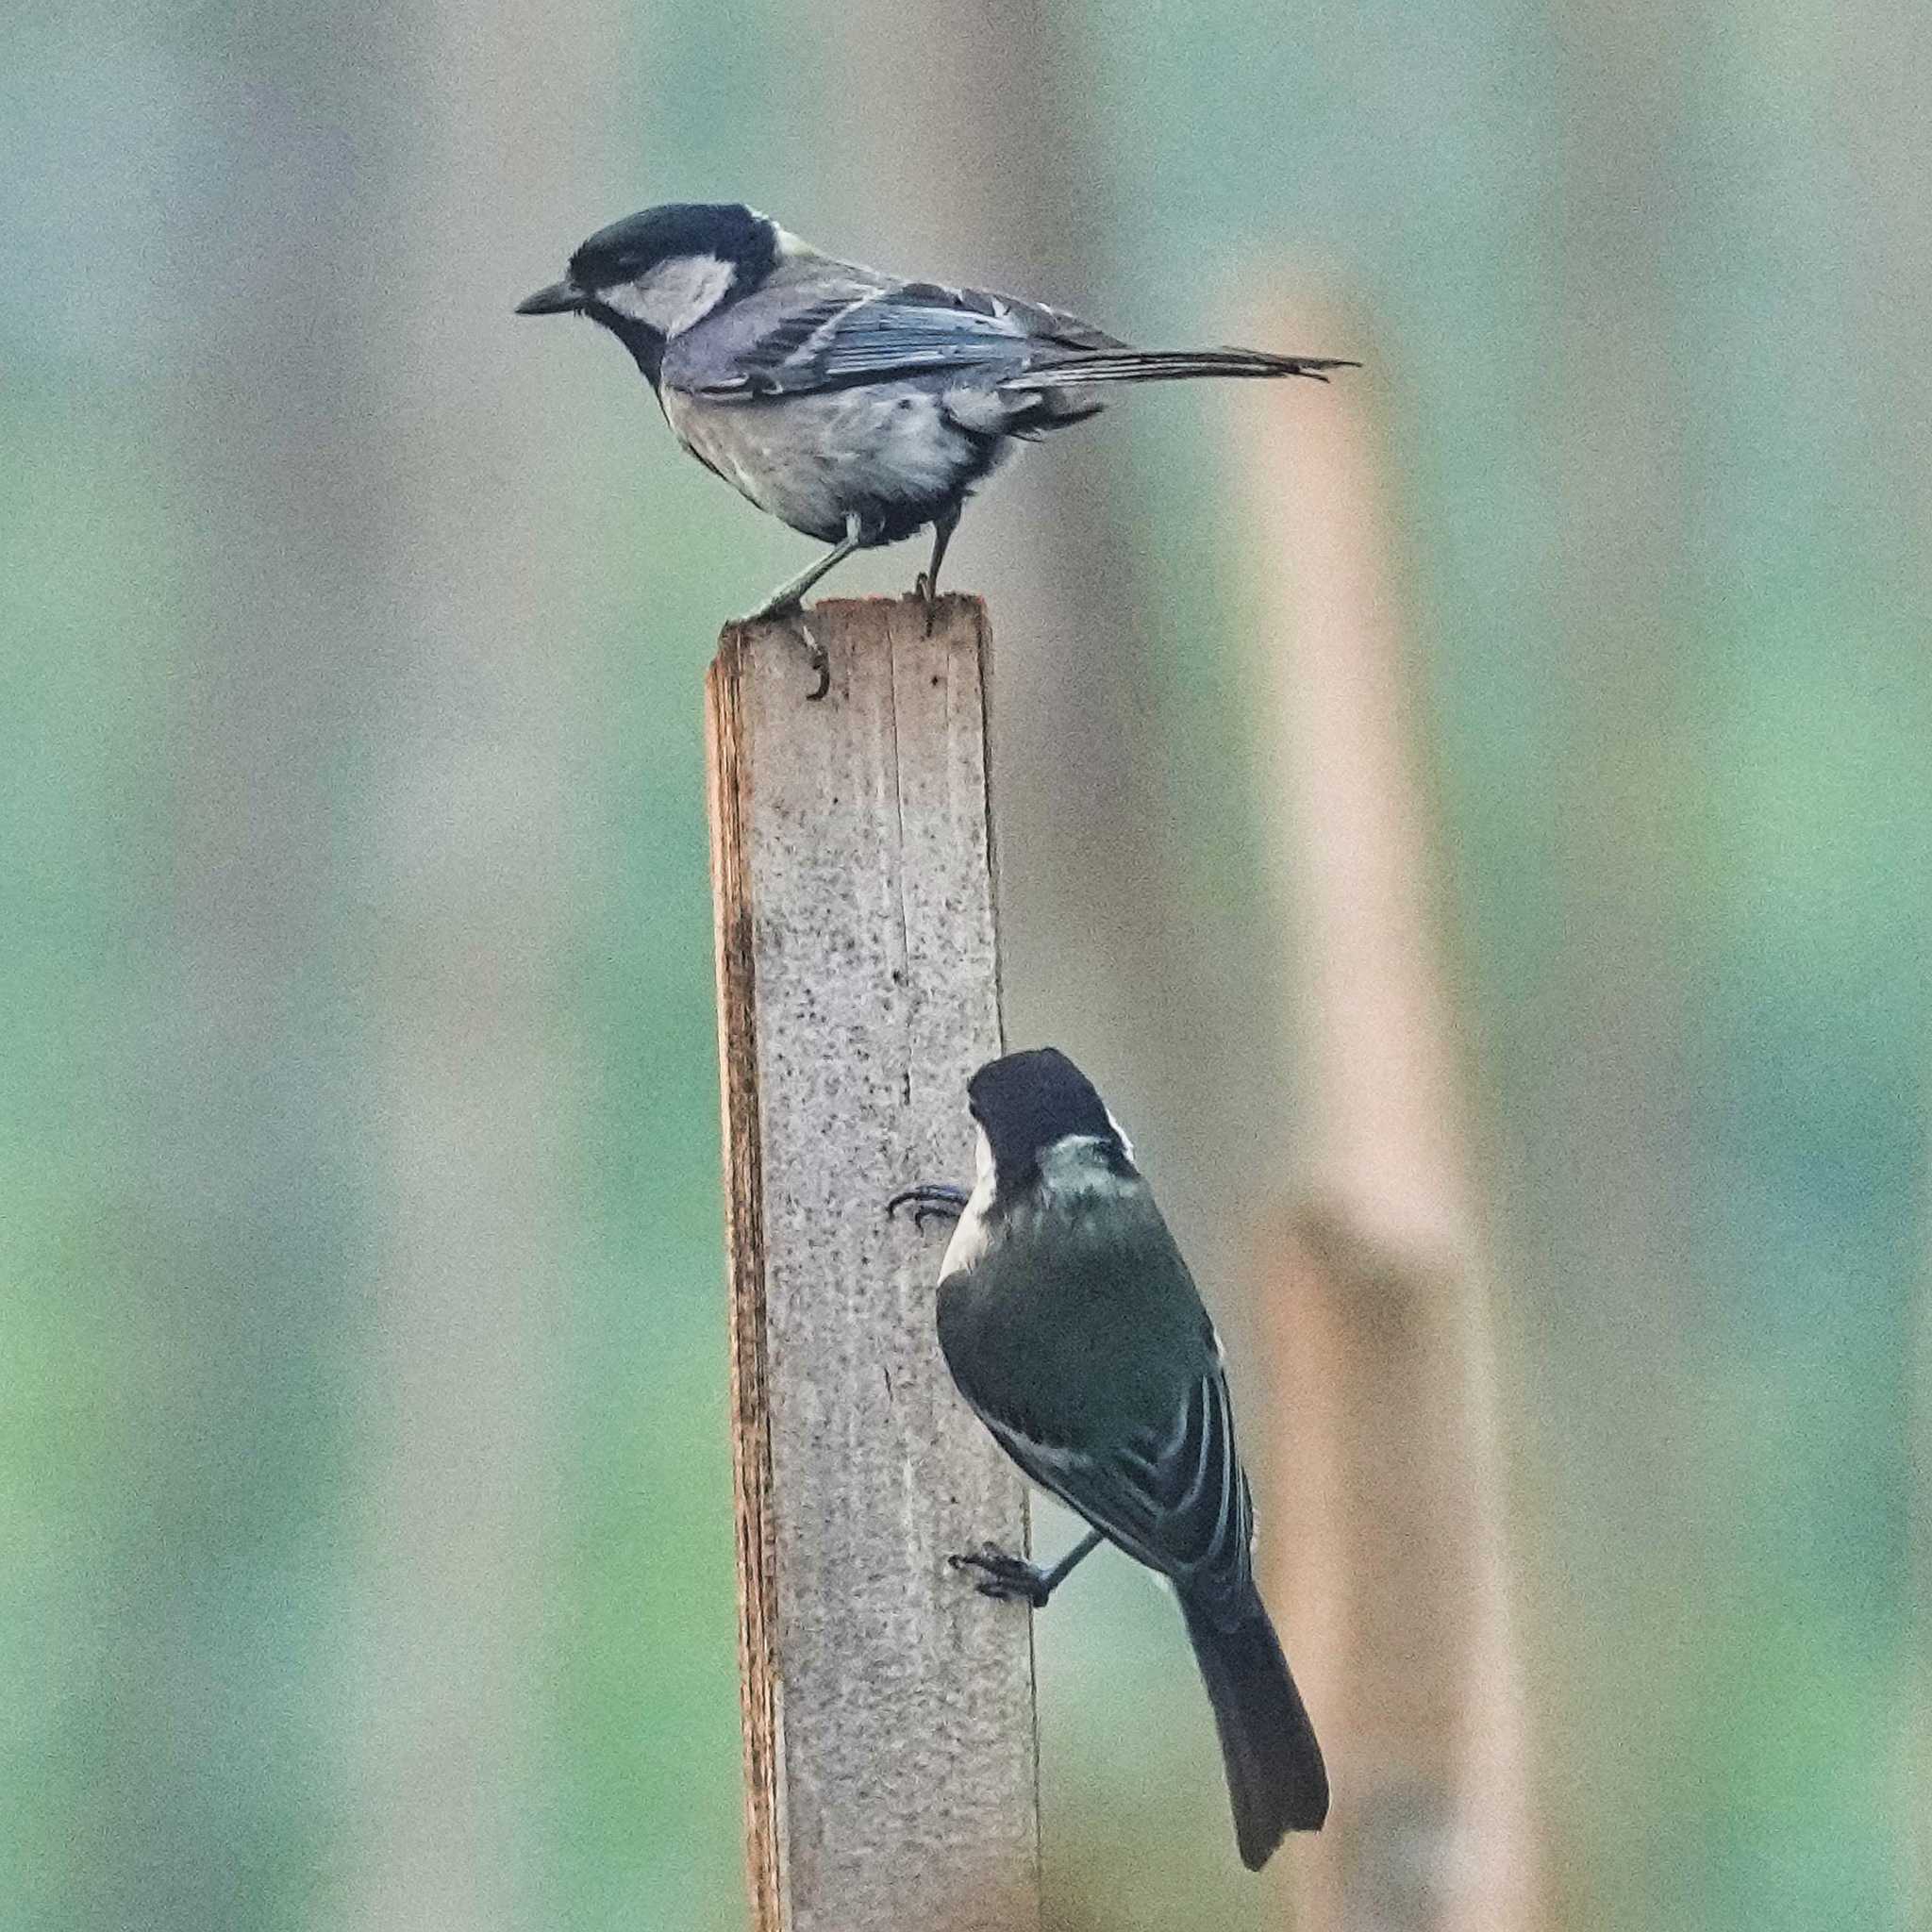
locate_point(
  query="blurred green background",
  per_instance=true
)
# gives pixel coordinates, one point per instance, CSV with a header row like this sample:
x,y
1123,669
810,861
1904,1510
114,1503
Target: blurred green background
x,y
362,1458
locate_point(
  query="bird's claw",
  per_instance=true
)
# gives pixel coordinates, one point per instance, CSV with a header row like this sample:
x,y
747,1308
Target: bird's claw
x,y
820,663
1004,1578
927,593
815,656
934,1200
794,614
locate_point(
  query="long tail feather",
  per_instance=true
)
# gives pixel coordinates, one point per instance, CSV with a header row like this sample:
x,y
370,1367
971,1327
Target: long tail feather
x,y
1275,1779
1171,365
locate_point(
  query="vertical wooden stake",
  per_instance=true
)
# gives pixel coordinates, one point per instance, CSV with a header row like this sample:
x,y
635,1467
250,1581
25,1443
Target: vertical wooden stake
x,y
1386,1500
889,1745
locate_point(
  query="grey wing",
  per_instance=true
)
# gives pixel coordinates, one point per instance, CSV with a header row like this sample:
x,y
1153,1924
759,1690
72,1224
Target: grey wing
x,y
902,330
1173,1497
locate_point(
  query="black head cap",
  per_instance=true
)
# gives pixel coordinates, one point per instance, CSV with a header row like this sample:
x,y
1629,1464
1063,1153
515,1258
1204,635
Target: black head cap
x,y
636,245
1027,1101
628,250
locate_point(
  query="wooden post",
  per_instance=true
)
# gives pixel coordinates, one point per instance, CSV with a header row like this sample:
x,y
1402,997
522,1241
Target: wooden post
x,y
1386,1499
890,1742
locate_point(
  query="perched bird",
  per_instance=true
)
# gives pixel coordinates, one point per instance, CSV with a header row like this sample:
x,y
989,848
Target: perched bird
x,y
1073,1329
856,407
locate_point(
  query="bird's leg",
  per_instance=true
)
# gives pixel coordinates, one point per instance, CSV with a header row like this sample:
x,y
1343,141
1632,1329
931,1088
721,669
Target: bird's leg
x,y
939,1199
1006,1577
787,600
790,593
926,585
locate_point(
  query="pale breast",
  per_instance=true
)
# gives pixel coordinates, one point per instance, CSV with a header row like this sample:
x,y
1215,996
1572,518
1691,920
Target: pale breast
x,y
889,455
970,1233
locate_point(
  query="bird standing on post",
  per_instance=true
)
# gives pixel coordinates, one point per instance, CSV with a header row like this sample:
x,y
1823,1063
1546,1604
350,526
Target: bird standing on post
x,y
1073,1329
854,406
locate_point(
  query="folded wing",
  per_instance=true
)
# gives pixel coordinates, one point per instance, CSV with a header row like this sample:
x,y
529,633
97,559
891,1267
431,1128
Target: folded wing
x,y
904,329
1175,1498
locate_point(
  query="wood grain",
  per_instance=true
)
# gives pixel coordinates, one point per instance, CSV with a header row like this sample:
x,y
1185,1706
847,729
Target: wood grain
x,y
889,1736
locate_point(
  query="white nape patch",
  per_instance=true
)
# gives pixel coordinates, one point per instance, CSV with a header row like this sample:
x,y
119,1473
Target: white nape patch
x,y
970,1237
1074,1165
675,295
1128,1146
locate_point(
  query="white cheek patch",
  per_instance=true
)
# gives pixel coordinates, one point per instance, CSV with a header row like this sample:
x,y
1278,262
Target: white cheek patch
x,y
675,295
969,1237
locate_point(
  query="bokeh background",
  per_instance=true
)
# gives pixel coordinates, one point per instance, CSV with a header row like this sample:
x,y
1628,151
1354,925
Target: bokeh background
x,y
362,1456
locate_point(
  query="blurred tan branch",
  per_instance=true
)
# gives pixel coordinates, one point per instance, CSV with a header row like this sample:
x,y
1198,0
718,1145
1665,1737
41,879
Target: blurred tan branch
x,y
1386,1504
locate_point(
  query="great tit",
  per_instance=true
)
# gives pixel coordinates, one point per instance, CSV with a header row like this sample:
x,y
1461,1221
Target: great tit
x,y
1075,1333
855,407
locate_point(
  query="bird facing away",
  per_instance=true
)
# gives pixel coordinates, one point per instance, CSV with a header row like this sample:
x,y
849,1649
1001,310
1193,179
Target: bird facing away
x,y
1075,1331
854,406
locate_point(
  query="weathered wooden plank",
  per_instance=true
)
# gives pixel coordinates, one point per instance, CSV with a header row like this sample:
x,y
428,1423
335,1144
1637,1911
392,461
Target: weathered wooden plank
x,y
890,1742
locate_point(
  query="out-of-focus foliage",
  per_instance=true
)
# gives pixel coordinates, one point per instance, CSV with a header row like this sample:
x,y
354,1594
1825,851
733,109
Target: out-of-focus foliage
x,y
288,875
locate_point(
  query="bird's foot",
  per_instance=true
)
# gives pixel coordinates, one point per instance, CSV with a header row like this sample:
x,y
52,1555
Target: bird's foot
x,y
1005,1577
926,590
937,1200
